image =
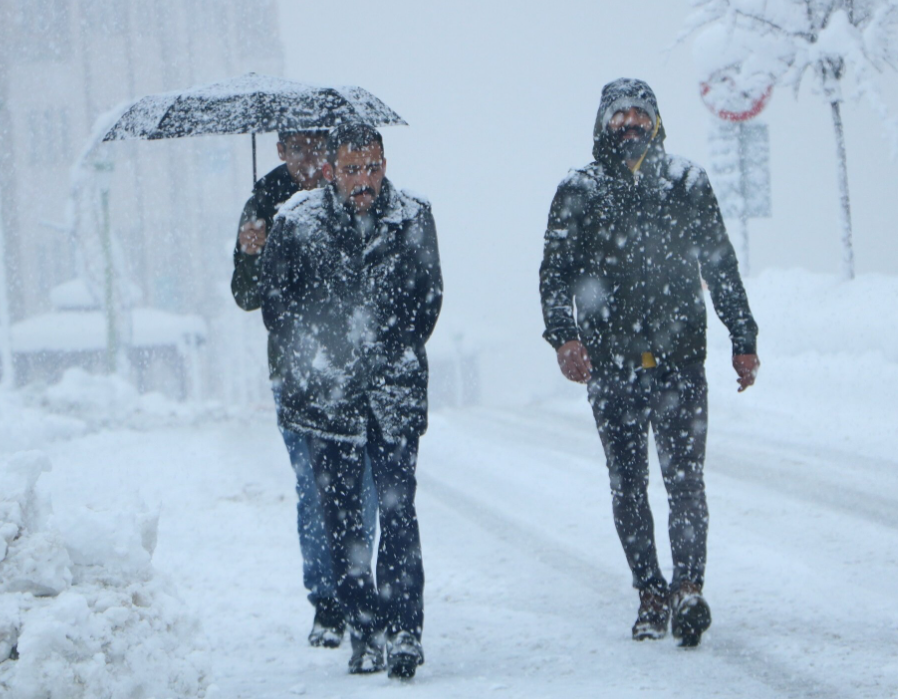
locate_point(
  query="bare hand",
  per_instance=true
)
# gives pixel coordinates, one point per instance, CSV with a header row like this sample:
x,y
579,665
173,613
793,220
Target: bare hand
x,y
252,236
574,361
746,366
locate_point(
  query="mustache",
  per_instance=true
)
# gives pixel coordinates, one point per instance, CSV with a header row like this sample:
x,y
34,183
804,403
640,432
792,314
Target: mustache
x,y
637,131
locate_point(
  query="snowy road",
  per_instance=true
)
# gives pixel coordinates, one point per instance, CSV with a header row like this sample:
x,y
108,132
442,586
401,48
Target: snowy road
x,y
527,589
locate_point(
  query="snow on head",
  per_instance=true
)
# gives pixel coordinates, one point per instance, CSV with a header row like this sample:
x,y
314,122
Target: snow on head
x,y
82,613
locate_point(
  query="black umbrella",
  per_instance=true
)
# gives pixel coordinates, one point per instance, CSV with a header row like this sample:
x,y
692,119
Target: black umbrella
x,y
249,104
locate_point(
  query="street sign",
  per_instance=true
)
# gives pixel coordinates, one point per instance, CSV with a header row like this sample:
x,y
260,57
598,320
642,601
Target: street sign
x,y
730,99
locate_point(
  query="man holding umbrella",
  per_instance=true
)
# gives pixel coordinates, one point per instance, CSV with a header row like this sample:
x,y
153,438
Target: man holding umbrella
x,y
629,238
351,291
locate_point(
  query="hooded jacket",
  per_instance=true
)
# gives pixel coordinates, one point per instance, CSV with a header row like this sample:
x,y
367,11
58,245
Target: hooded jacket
x,y
348,310
625,253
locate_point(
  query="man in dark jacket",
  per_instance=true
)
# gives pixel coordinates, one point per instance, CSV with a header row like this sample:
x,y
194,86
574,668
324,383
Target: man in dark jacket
x,y
629,239
304,154
351,292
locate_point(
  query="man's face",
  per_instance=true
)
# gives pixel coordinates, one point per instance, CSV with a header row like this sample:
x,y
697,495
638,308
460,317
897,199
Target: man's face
x,y
358,175
305,155
631,130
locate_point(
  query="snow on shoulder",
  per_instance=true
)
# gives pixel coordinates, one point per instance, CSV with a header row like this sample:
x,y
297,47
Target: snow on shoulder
x,y
294,202
681,169
82,613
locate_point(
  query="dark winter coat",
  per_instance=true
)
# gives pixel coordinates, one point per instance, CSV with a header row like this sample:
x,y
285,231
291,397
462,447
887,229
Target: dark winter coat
x,y
269,194
625,255
348,314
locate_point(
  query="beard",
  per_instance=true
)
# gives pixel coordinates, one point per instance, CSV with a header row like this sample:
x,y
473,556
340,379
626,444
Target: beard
x,y
634,146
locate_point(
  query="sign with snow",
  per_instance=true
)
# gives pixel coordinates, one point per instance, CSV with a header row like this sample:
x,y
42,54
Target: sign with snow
x,y
733,99
740,169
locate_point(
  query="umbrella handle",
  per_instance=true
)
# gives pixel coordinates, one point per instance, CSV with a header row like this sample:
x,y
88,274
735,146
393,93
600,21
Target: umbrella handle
x,y
254,160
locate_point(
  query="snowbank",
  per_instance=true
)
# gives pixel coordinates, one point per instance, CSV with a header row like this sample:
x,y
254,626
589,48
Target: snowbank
x,y
82,613
81,403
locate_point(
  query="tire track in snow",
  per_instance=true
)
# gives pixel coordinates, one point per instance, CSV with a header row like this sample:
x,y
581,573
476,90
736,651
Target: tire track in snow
x,y
872,507
784,679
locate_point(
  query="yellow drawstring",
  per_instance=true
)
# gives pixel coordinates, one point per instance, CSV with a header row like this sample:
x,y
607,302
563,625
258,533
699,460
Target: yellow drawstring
x,y
638,165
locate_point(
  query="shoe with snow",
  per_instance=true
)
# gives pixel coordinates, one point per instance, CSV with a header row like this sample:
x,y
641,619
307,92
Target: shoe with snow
x,y
691,615
404,655
328,627
367,656
654,615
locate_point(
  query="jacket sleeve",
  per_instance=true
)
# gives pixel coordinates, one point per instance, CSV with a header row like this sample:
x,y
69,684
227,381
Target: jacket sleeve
x,y
557,268
429,278
720,269
277,274
247,268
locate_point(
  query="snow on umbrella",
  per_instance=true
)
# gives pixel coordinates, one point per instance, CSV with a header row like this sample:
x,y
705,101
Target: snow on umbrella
x,y
250,104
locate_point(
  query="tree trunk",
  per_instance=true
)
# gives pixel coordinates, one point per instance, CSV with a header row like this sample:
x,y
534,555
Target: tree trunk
x,y
842,166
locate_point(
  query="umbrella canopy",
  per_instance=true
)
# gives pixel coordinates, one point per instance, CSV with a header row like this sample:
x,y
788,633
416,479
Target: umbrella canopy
x,y
250,104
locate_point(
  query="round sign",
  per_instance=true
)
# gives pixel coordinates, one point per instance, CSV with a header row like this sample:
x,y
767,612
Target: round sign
x,y
730,101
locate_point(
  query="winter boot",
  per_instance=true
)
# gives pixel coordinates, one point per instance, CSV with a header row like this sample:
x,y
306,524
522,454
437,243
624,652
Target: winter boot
x,y
367,655
654,613
328,627
404,655
691,615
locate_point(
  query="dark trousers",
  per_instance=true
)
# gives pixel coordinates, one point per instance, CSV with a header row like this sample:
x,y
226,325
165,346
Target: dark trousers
x,y
396,603
674,403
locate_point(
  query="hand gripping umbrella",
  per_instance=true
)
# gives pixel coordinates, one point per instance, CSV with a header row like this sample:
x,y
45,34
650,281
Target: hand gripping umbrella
x,y
250,104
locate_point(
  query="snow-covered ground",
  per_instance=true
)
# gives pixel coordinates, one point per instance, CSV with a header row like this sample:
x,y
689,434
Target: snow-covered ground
x,y
527,589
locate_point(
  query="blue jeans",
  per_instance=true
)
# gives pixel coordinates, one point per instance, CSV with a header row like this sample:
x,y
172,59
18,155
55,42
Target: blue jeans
x,y
317,567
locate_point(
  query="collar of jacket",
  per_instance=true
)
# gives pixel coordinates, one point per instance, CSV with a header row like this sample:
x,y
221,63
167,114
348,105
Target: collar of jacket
x,y
387,207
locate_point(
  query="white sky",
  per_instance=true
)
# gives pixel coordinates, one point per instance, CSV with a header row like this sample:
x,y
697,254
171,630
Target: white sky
x,y
501,98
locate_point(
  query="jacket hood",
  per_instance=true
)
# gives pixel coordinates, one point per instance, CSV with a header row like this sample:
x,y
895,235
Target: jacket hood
x,y
619,94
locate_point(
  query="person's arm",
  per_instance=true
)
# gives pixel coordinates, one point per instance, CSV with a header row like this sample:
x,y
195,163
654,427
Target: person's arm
x,y
251,237
555,274
277,266
429,277
720,270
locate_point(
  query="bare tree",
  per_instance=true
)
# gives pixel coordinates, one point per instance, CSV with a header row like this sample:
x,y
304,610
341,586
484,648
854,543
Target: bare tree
x,y
788,40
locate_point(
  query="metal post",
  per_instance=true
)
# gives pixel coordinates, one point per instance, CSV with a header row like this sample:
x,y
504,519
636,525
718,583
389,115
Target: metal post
x,y
7,380
743,189
104,169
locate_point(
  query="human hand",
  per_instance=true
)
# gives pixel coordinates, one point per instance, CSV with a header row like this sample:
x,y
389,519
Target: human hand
x,y
746,366
574,361
252,236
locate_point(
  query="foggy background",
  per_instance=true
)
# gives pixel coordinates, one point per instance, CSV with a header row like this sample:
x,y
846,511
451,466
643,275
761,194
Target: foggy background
x,y
500,98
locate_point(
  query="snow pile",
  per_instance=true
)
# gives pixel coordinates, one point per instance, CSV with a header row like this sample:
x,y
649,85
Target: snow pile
x,y
23,427
81,612
110,401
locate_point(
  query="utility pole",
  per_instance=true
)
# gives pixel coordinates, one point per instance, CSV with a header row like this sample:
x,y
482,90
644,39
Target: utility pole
x,y
8,377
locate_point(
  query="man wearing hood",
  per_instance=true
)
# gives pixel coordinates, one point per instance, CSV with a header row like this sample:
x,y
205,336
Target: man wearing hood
x,y
351,292
629,239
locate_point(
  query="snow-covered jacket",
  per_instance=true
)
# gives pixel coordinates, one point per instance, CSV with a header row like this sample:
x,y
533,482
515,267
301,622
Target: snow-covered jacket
x,y
624,258
348,314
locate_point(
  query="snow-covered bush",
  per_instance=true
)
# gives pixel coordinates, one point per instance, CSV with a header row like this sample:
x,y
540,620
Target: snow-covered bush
x,y
82,612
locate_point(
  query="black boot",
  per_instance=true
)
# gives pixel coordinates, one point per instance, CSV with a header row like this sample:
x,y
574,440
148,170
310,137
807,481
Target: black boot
x,y
691,615
329,624
404,655
367,654
654,614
